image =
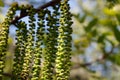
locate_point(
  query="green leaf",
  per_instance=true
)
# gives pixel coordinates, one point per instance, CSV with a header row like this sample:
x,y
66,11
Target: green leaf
x,y
106,22
1,3
94,33
80,19
115,58
116,33
91,24
101,39
118,17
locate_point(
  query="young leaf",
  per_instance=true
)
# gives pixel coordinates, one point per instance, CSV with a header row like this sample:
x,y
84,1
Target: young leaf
x,y
116,33
101,39
118,17
80,19
91,24
1,3
115,58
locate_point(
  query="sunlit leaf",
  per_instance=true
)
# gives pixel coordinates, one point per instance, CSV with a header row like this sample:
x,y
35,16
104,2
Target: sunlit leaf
x,y
109,12
116,8
106,22
1,3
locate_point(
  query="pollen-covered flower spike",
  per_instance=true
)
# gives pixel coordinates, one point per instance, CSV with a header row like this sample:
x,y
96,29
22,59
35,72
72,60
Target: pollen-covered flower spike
x,y
4,36
29,50
64,42
50,42
21,34
38,46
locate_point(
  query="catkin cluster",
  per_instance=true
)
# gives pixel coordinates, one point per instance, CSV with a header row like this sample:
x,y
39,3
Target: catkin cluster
x,y
43,43
4,36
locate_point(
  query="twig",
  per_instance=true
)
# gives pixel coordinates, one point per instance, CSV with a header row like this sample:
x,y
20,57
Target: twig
x,y
51,3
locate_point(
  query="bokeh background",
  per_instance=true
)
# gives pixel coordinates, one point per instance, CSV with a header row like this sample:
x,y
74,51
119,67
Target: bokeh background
x,y
96,38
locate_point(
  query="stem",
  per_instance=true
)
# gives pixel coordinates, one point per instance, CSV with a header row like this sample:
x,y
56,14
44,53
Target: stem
x,y
51,3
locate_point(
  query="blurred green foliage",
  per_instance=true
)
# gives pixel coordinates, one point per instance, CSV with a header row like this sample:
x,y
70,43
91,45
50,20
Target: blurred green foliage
x,y
1,3
100,26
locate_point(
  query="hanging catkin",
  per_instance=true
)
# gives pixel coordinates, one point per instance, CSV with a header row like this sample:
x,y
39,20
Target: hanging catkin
x,y
29,50
21,34
50,41
64,43
38,45
46,67
4,35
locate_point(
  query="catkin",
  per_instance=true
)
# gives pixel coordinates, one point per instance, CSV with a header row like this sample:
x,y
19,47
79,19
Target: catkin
x,y
63,62
21,34
4,35
38,46
29,50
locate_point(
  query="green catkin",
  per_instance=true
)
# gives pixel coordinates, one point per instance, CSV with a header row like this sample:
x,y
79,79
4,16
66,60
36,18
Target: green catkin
x,y
63,62
55,24
55,15
21,34
45,71
50,45
29,45
39,43
4,36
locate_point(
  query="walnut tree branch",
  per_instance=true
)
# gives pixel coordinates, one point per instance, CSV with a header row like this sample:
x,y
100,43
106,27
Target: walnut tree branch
x,y
51,3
